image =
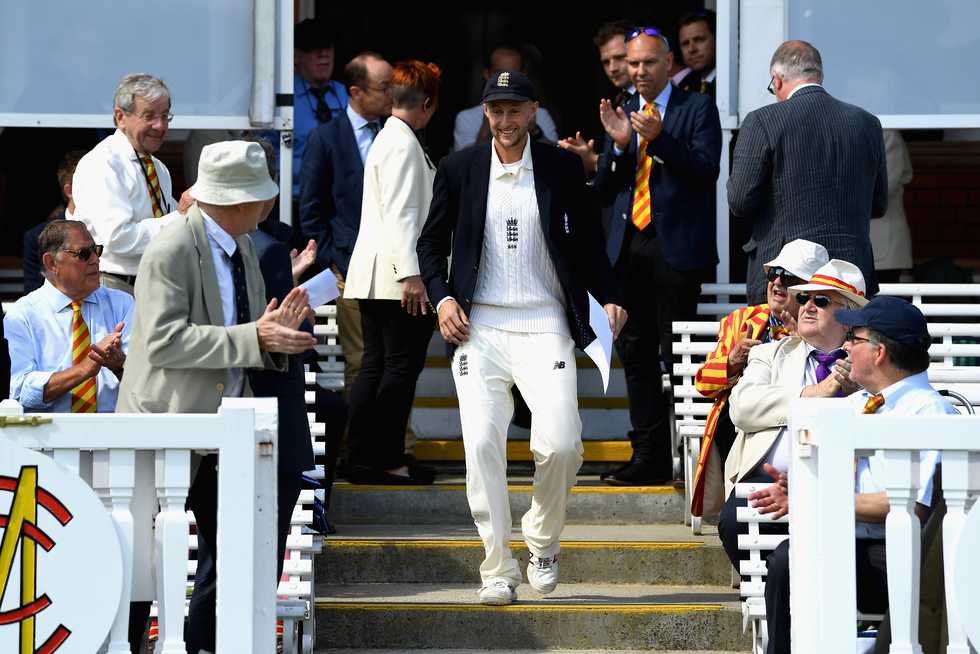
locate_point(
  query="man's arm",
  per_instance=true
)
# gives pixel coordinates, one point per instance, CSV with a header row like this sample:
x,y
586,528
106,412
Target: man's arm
x,y
752,163
723,367
435,240
698,158
879,203
316,203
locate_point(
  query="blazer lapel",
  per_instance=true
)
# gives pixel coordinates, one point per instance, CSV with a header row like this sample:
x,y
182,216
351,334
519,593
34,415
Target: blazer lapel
x,y
209,278
542,189
353,152
674,105
481,187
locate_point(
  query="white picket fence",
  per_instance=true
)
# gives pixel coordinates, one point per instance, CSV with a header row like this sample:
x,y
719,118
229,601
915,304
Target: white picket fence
x,y
243,433
826,435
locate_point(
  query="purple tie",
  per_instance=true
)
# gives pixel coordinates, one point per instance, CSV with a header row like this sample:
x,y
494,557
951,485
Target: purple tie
x,y
825,362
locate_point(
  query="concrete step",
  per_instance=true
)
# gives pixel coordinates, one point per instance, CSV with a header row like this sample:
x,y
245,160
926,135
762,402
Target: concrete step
x,y
444,503
441,422
451,449
650,554
575,616
437,380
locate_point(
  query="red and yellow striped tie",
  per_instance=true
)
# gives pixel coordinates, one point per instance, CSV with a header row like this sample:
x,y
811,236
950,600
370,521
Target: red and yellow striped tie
x,y
83,395
153,185
641,193
874,403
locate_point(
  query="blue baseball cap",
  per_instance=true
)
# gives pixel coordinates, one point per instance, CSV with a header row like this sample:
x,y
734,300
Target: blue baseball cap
x,y
509,85
890,316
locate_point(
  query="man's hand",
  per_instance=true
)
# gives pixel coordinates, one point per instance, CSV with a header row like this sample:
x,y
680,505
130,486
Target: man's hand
x,y
186,200
277,328
789,321
617,318
453,324
584,149
301,261
739,354
415,299
647,126
616,124
773,499
295,308
842,373
108,352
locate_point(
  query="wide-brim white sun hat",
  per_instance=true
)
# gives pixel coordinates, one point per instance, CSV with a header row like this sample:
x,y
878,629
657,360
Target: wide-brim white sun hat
x,y
233,172
841,276
801,257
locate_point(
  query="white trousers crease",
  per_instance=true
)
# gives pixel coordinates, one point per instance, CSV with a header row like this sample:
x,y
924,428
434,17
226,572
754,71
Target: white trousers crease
x,y
543,368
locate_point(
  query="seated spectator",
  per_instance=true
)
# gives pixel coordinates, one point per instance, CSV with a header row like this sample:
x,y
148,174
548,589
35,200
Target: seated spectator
x,y
471,125
888,346
806,365
33,270
739,332
68,338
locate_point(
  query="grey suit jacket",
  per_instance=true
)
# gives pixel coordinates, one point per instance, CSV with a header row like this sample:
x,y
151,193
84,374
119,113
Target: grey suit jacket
x,y
179,348
811,167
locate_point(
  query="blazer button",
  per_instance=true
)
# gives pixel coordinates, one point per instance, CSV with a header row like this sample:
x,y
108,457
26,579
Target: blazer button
x,y
220,387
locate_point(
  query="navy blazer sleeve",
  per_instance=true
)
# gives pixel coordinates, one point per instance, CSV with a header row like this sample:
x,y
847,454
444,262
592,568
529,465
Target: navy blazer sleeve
x,y
879,203
435,240
33,279
700,156
316,204
752,165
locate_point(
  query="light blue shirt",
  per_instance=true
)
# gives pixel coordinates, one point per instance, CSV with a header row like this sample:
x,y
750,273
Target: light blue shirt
x,y
39,334
362,133
222,247
304,117
907,397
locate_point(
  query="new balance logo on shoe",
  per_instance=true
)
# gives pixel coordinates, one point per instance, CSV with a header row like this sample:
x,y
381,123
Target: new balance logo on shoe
x,y
464,367
559,365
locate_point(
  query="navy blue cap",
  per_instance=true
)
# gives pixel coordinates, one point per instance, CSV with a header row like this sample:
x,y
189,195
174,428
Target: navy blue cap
x,y
890,316
312,34
509,85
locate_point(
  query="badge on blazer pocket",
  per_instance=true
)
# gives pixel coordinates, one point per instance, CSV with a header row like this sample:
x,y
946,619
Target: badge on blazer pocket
x,y
568,229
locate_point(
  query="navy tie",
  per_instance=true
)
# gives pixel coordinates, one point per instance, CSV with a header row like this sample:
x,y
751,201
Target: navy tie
x,y
242,312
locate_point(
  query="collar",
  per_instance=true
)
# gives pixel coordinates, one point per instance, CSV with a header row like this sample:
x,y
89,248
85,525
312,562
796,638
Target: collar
x,y
919,380
631,90
58,301
224,240
710,77
801,86
662,98
810,349
357,121
119,144
497,169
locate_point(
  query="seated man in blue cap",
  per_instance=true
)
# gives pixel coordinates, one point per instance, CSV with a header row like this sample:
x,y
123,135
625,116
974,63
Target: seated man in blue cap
x,y
888,346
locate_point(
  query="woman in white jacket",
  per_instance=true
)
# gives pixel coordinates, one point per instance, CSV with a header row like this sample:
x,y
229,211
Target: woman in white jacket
x,y
384,277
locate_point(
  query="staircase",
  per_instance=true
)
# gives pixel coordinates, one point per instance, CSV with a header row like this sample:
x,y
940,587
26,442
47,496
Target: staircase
x,y
402,573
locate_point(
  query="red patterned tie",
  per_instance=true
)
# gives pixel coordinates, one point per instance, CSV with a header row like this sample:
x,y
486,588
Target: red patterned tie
x,y
153,186
83,395
641,186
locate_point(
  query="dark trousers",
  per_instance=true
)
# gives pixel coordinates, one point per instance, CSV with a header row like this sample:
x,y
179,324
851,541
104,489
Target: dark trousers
x,y
872,588
331,410
203,501
729,528
655,296
395,345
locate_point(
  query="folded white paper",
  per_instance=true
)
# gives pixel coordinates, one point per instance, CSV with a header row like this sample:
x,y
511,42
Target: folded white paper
x,y
321,288
600,350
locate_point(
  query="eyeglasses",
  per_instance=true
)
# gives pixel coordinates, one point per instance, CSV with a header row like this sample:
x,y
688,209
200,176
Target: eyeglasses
x,y
788,278
381,88
649,31
851,337
85,253
149,117
769,88
820,301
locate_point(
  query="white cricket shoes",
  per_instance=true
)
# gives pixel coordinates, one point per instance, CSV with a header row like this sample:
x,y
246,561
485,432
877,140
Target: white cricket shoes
x,y
497,592
542,573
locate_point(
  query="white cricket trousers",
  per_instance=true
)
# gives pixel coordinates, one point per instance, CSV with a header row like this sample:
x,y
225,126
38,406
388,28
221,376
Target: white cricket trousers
x,y
543,367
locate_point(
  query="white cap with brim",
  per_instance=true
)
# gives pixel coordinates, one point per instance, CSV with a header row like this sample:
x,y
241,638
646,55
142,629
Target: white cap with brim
x,y
233,172
841,276
801,257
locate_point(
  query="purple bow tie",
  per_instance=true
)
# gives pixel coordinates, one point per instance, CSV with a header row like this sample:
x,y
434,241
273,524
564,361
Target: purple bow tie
x,y
826,361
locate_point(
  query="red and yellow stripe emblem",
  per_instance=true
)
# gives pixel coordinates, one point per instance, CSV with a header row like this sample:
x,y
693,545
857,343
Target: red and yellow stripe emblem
x,y
153,185
836,283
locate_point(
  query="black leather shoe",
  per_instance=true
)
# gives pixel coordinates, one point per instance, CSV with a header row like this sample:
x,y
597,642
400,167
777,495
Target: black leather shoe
x,y
603,476
422,472
638,473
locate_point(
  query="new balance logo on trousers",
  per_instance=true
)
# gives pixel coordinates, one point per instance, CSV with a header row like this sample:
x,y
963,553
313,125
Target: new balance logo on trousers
x,y
559,365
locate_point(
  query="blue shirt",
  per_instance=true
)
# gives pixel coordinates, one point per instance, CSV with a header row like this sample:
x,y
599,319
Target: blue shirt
x,y
660,102
906,397
362,133
223,246
39,333
304,117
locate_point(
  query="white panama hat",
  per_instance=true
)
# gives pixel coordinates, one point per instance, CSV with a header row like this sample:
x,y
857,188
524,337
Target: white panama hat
x,y
233,172
801,257
841,276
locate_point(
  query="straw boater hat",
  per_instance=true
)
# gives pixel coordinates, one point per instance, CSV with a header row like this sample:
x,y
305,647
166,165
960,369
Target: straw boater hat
x,y
801,257
233,172
841,276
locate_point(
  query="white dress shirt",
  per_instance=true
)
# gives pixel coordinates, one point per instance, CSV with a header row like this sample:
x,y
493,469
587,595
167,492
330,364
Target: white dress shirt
x,y
111,198
907,397
39,334
469,121
222,247
362,132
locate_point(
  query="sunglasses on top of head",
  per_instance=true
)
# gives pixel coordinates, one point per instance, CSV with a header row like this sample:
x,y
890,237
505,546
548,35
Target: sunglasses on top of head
x,y
820,301
789,279
649,31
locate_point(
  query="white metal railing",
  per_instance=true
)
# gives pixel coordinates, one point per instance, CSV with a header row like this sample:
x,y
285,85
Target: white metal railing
x,y
243,433
826,435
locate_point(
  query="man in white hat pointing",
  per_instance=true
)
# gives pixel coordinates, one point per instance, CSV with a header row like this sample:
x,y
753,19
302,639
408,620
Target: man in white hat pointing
x,y
201,319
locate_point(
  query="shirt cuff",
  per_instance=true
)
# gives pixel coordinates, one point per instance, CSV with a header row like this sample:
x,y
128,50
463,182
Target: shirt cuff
x,y
32,391
443,301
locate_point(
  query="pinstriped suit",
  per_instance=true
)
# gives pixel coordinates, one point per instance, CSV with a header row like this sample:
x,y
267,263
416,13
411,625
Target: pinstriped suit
x,y
811,167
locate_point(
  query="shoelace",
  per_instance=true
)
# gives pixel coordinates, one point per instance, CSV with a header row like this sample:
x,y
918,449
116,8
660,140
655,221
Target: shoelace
x,y
543,561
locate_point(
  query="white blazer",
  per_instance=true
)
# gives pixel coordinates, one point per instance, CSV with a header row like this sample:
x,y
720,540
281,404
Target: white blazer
x,y
397,192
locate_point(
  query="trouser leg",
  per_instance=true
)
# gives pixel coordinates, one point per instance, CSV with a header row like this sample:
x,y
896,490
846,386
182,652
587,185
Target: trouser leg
x,y
362,428
544,370
777,600
481,370
289,485
729,528
351,339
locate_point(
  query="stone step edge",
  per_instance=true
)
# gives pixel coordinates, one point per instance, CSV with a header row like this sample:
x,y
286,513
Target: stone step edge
x,y
439,402
420,543
513,488
611,607
443,449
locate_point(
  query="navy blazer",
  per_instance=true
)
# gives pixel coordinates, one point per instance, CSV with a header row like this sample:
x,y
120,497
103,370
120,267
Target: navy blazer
x,y
331,184
457,217
682,187
295,448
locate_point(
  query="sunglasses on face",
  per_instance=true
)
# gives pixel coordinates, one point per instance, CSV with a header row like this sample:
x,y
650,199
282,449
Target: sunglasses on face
x,y
820,301
84,254
789,279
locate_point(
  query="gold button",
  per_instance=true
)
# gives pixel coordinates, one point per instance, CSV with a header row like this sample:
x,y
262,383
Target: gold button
x,y
220,387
